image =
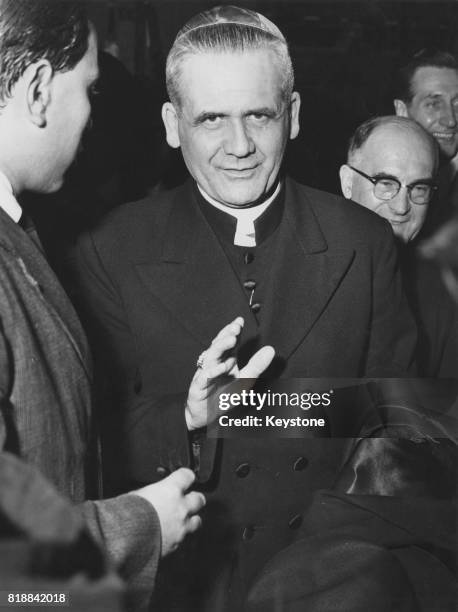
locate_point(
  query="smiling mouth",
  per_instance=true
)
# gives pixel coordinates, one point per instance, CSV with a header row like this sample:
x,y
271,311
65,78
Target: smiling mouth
x,y
240,170
444,135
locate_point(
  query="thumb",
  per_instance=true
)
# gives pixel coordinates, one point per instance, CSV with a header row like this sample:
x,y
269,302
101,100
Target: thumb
x,y
258,363
183,478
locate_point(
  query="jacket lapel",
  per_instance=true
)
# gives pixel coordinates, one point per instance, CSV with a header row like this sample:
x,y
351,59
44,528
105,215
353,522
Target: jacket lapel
x,y
307,270
192,276
43,284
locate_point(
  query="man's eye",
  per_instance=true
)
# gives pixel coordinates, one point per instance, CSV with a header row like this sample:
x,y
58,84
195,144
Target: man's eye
x,y
433,104
212,121
386,183
259,118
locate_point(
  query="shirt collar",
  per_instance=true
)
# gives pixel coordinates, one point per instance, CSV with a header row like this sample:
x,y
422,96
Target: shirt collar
x,y
7,200
247,232
227,224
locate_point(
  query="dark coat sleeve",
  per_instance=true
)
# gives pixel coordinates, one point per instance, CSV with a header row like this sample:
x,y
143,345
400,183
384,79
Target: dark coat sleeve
x,y
128,528
45,545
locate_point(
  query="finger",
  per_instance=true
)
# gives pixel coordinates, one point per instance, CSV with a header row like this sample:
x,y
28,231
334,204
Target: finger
x,y
194,523
214,354
183,478
234,327
219,370
195,501
258,363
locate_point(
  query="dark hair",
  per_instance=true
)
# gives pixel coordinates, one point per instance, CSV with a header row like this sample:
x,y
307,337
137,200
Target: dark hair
x,y
426,57
31,30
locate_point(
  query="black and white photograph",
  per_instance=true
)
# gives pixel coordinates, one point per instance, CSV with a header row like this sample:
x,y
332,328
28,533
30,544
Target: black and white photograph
x,y
229,305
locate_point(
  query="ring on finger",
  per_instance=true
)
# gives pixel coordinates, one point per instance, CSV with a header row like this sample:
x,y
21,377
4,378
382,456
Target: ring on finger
x,y
201,361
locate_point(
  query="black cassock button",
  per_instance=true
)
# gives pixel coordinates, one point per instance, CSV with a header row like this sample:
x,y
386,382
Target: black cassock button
x,y
295,522
248,257
256,307
162,471
248,533
249,284
243,470
300,464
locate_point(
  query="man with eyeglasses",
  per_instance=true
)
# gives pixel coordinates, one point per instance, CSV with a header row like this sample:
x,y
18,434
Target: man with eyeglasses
x,y
391,166
390,169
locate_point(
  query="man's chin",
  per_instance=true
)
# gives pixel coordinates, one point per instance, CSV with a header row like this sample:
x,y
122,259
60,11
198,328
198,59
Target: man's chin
x,y
241,200
447,153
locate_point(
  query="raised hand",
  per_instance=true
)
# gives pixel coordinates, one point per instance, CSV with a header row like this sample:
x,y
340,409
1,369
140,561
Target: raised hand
x,y
217,369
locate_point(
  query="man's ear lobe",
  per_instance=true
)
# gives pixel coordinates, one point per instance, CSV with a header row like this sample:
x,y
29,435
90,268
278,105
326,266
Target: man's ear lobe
x,y
39,78
170,119
346,181
400,108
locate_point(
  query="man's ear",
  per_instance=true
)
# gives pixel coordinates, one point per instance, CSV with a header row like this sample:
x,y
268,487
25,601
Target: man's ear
x,y
170,119
294,108
38,78
346,181
400,108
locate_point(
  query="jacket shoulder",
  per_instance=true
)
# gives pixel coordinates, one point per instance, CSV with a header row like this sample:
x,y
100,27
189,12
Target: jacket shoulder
x,y
336,212
135,223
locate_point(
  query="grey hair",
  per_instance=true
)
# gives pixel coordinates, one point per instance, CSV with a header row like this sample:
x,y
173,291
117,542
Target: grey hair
x,y
224,38
362,133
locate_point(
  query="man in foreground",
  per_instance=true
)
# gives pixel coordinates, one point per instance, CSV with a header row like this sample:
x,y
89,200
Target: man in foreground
x,y
312,276
48,55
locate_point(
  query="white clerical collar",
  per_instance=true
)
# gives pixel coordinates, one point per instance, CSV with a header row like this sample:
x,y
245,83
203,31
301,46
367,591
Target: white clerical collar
x,y
7,200
245,234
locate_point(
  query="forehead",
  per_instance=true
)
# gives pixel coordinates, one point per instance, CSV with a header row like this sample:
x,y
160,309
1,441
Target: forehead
x,y
231,82
400,152
430,80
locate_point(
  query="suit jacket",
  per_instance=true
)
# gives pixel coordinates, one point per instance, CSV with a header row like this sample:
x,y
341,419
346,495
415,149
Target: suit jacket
x,y
156,287
45,399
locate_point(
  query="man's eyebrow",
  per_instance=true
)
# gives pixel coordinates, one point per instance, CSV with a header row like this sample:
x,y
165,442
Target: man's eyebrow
x,y
433,96
384,175
204,115
265,110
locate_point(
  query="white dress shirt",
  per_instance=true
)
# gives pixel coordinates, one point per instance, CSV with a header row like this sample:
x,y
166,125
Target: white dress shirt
x,y
7,200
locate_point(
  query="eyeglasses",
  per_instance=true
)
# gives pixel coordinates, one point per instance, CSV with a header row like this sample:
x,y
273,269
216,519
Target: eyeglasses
x,y
386,188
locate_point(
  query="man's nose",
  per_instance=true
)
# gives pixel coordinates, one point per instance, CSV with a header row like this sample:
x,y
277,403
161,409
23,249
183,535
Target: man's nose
x,y
238,141
449,116
401,204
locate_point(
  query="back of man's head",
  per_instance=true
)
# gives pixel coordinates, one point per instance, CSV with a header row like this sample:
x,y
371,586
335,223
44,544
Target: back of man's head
x,y
226,29
31,30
